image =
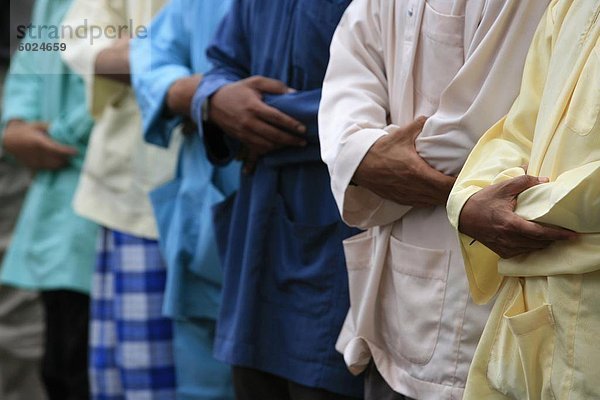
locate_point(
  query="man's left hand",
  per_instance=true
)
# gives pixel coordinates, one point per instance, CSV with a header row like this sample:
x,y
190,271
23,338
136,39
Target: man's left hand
x,y
394,170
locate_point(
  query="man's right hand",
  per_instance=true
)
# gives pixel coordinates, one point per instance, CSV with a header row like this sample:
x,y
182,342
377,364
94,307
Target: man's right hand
x,y
31,145
489,217
238,109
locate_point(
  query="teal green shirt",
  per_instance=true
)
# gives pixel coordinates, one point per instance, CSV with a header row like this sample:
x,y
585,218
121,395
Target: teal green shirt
x,y
52,248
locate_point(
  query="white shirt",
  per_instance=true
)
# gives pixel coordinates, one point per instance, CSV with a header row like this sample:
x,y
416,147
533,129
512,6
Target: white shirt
x,y
120,169
459,62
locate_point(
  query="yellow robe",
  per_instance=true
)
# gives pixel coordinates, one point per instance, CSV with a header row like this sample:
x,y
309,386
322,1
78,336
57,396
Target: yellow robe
x,y
541,339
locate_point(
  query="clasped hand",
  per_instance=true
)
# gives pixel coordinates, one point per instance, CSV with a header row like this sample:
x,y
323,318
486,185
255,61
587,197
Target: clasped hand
x,y
31,144
239,110
489,217
393,170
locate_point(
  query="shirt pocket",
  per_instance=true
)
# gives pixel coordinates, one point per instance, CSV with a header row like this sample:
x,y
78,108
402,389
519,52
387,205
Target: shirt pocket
x,y
359,253
440,54
303,261
113,140
419,276
582,116
521,356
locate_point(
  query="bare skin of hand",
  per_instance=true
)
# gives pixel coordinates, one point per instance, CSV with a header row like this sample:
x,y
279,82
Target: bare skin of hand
x,y
181,93
113,62
489,217
394,170
238,109
30,144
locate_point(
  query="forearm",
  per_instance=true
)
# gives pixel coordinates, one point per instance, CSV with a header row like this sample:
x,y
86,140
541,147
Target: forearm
x,y
113,63
572,201
180,95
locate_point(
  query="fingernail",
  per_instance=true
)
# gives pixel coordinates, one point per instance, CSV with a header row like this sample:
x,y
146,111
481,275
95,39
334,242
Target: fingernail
x,y
302,129
543,180
291,90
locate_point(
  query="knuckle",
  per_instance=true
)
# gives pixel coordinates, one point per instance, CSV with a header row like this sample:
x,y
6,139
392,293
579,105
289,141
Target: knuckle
x,y
246,123
252,108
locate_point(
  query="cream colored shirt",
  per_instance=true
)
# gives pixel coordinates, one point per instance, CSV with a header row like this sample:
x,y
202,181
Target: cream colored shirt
x,y
459,62
541,339
120,168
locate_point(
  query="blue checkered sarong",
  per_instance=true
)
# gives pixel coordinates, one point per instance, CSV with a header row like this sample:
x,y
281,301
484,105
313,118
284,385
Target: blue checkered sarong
x,y
131,354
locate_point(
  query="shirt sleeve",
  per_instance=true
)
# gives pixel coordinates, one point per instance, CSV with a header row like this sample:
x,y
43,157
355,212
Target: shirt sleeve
x,y
229,54
480,94
157,61
476,98
571,201
498,156
73,128
354,112
81,54
22,88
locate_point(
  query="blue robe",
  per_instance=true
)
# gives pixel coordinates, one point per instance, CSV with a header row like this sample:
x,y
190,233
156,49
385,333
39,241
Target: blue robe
x,y
285,289
175,49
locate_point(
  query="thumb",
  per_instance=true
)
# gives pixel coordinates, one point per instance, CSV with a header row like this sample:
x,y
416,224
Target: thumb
x,y
521,183
413,129
268,85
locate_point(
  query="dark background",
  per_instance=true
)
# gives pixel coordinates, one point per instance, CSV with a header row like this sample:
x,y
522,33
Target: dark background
x,y
9,19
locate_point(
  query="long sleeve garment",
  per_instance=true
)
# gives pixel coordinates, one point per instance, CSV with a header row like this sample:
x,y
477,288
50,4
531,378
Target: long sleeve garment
x,y
174,49
285,289
52,248
460,63
539,342
120,169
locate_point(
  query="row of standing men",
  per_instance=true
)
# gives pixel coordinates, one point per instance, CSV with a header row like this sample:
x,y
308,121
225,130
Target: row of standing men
x,y
222,267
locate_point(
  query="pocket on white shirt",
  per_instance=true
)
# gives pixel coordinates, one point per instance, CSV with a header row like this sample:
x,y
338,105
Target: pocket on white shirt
x,y
439,57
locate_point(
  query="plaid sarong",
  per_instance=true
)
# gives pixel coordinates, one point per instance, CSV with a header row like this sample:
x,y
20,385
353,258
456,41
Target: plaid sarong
x,y
131,354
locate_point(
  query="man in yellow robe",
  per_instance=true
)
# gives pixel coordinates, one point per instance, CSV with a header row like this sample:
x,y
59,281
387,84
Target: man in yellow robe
x,y
527,204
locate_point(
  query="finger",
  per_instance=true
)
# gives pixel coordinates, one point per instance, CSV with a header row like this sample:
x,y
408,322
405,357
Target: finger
x,y
53,162
258,143
430,174
524,242
268,85
59,150
517,185
276,135
540,232
275,117
40,126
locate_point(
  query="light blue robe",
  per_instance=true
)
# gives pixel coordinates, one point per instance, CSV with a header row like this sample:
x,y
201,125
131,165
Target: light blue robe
x,y
52,248
175,49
